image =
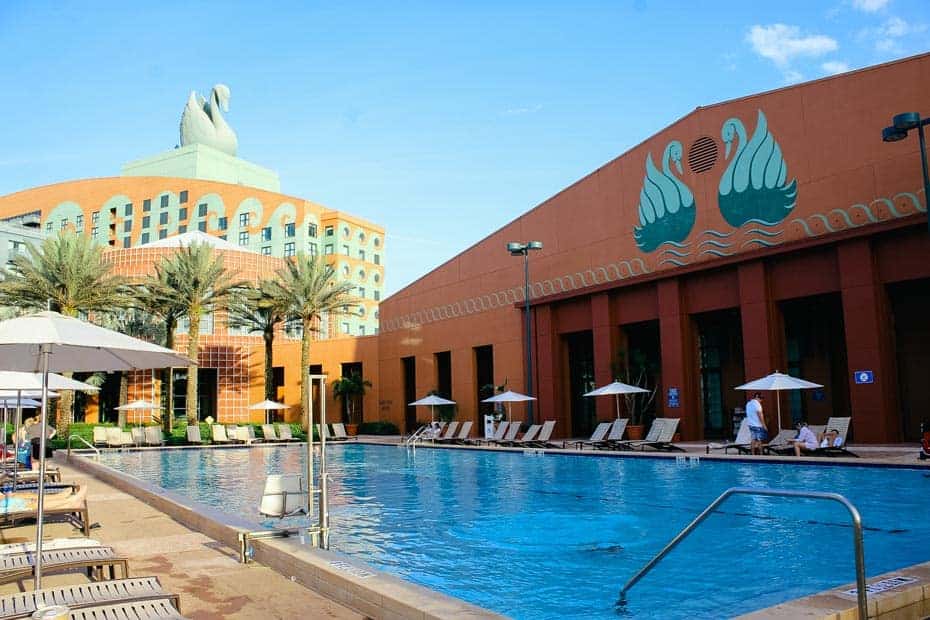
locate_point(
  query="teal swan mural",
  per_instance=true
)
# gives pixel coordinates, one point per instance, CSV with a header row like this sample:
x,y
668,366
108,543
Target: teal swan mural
x,y
666,205
753,188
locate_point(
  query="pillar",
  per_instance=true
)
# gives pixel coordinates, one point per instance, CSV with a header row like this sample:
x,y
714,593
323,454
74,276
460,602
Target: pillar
x,y
547,371
605,344
678,367
761,325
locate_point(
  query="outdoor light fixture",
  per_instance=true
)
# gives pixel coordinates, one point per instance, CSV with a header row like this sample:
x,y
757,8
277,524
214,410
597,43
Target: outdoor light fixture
x,y
523,249
901,124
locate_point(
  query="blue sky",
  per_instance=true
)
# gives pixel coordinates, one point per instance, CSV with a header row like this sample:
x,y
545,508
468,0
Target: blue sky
x,y
441,121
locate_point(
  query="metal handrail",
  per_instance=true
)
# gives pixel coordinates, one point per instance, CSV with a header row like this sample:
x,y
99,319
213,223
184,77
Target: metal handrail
x,y
416,436
861,593
85,442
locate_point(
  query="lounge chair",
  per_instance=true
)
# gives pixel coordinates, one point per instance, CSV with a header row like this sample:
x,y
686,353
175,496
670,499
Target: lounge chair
x,y
268,432
219,434
596,437
28,476
100,436
743,440
778,443
528,437
509,436
246,434
617,430
151,608
138,435
545,434
153,436
54,544
659,437
18,566
193,434
95,594
461,437
284,433
232,433
498,433
339,432
118,438
70,501
842,426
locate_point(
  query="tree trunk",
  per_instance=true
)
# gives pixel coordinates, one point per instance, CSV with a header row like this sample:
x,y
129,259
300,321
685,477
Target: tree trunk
x,y
65,410
167,420
269,366
304,371
123,397
193,345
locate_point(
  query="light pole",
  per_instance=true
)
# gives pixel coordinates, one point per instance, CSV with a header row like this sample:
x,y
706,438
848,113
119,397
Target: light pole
x,y
523,249
900,125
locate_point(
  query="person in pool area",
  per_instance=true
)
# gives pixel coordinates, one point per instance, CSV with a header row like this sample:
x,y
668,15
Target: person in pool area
x,y
806,441
756,420
831,439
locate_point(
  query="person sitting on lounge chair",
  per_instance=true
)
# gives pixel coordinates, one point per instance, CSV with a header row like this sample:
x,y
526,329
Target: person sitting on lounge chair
x,y
831,439
806,440
435,430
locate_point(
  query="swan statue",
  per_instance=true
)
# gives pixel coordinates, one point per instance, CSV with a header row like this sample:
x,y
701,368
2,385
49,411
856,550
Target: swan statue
x,y
753,186
202,121
666,205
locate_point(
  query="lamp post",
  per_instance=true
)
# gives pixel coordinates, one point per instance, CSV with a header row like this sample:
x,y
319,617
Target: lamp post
x,y
523,249
901,124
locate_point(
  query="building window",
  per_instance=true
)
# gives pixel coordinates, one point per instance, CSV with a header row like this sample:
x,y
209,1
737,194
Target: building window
x,y
345,250
361,237
48,226
223,223
64,224
361,274
127,242
377,242
289,248
314,250
223,237
377,278
266,233
361,330
164,201
79,223
361,254
127,210
163,218
345,327
266,250
345,232
361,292
95,217
146,221
345,270
361,310
162,233
202,209
377,259
289,230
243,220
244,238
146,205
329,231
182,213
127,226
328,248
377,295
182,229
145,238
202,226
93,232
311,230
182,197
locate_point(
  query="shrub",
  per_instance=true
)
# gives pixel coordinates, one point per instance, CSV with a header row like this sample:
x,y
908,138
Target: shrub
x,y
381,427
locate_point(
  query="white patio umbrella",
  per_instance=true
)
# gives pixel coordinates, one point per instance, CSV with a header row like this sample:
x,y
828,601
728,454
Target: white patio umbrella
x,y
777,382
268,405
137,406
617,388
51,342
431,401
508,397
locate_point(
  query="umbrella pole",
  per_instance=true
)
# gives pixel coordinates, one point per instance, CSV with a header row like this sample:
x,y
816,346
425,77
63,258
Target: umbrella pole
x,y
617,400
19,421
45,350
778,405
310,444
509,417
324,500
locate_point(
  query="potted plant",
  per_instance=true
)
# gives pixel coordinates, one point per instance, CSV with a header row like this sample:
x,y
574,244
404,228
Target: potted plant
x,y
351,389
635,369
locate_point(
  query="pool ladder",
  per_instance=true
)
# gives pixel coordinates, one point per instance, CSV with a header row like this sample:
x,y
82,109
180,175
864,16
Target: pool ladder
x,y
861,594
418,435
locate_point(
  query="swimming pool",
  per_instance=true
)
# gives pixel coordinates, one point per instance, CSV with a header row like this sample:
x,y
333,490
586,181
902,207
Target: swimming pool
x,y
556,536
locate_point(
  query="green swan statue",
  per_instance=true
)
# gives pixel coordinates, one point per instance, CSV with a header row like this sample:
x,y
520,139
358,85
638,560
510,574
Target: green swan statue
x,y
753,186
666,205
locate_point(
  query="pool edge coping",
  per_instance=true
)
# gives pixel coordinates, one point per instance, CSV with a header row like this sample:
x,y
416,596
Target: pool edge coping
x,y
341,578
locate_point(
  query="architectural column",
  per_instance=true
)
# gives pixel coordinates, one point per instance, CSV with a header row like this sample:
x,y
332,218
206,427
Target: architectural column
x,y
605,344
868,345
678,367
547,370
763,336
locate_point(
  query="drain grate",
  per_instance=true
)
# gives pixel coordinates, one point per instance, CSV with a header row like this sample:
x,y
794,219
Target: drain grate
x,y
702,155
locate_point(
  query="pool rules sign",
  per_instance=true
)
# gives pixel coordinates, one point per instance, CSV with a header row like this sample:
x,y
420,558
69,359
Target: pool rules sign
x,y
862,377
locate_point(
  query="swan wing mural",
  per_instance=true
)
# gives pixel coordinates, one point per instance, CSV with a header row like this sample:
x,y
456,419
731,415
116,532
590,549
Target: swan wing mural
x,y
753,187
202,121
666,204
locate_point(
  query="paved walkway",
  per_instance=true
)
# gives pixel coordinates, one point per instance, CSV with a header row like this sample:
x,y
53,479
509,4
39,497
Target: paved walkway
x,y
210,580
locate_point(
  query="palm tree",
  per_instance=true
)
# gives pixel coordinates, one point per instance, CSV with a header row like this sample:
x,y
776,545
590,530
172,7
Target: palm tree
x,y
350,389
260,310
67,274
310,287
198,283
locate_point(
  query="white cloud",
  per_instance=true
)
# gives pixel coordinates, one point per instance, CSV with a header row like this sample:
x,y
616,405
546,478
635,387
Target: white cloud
x,y
887,36
782,43
793,77
870,6
835,66
522,110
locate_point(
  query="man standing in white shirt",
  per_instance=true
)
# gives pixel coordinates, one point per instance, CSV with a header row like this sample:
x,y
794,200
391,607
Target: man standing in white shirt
x,y
755,418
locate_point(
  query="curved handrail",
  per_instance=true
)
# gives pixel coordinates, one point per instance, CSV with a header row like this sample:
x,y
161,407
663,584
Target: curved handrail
x,y
861,594
83,441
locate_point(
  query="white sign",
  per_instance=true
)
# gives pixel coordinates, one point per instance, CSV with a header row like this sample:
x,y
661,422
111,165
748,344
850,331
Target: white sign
x,y
883,585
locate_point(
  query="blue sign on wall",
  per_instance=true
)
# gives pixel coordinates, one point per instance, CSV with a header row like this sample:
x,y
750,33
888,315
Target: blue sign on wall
x,y
673,400
864,376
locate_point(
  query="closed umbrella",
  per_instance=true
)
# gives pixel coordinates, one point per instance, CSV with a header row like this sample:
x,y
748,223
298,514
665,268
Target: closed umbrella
x,y
508,397
51,342
777,382
432,401
268,405
136,406
617,388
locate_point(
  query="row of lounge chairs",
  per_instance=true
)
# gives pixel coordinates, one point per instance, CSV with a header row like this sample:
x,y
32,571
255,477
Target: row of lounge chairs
x,y
782,444
609,436
115,437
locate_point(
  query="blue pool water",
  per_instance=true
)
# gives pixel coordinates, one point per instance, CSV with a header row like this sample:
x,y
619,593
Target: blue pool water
x,y
556,536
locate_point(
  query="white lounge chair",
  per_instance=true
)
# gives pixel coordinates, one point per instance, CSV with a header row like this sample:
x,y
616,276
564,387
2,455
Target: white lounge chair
x,y
153,436
268,432
117,591
659,437
511,434
545,434
284,433
219,434
118,438
193,434
54,544
100,436
20,566
246,434
617,429
339,432
528,437
842,427
781,441
499,433
138,435
462,436
596,437
449,432
743,440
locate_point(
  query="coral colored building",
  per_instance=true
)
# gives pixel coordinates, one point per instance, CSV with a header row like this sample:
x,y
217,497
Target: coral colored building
x,y
772,232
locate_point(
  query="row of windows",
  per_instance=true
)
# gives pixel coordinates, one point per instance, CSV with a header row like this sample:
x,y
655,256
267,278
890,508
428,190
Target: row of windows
x,y
331,230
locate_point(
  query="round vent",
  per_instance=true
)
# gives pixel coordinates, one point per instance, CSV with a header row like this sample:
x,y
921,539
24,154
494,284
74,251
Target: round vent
x,y
702,155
